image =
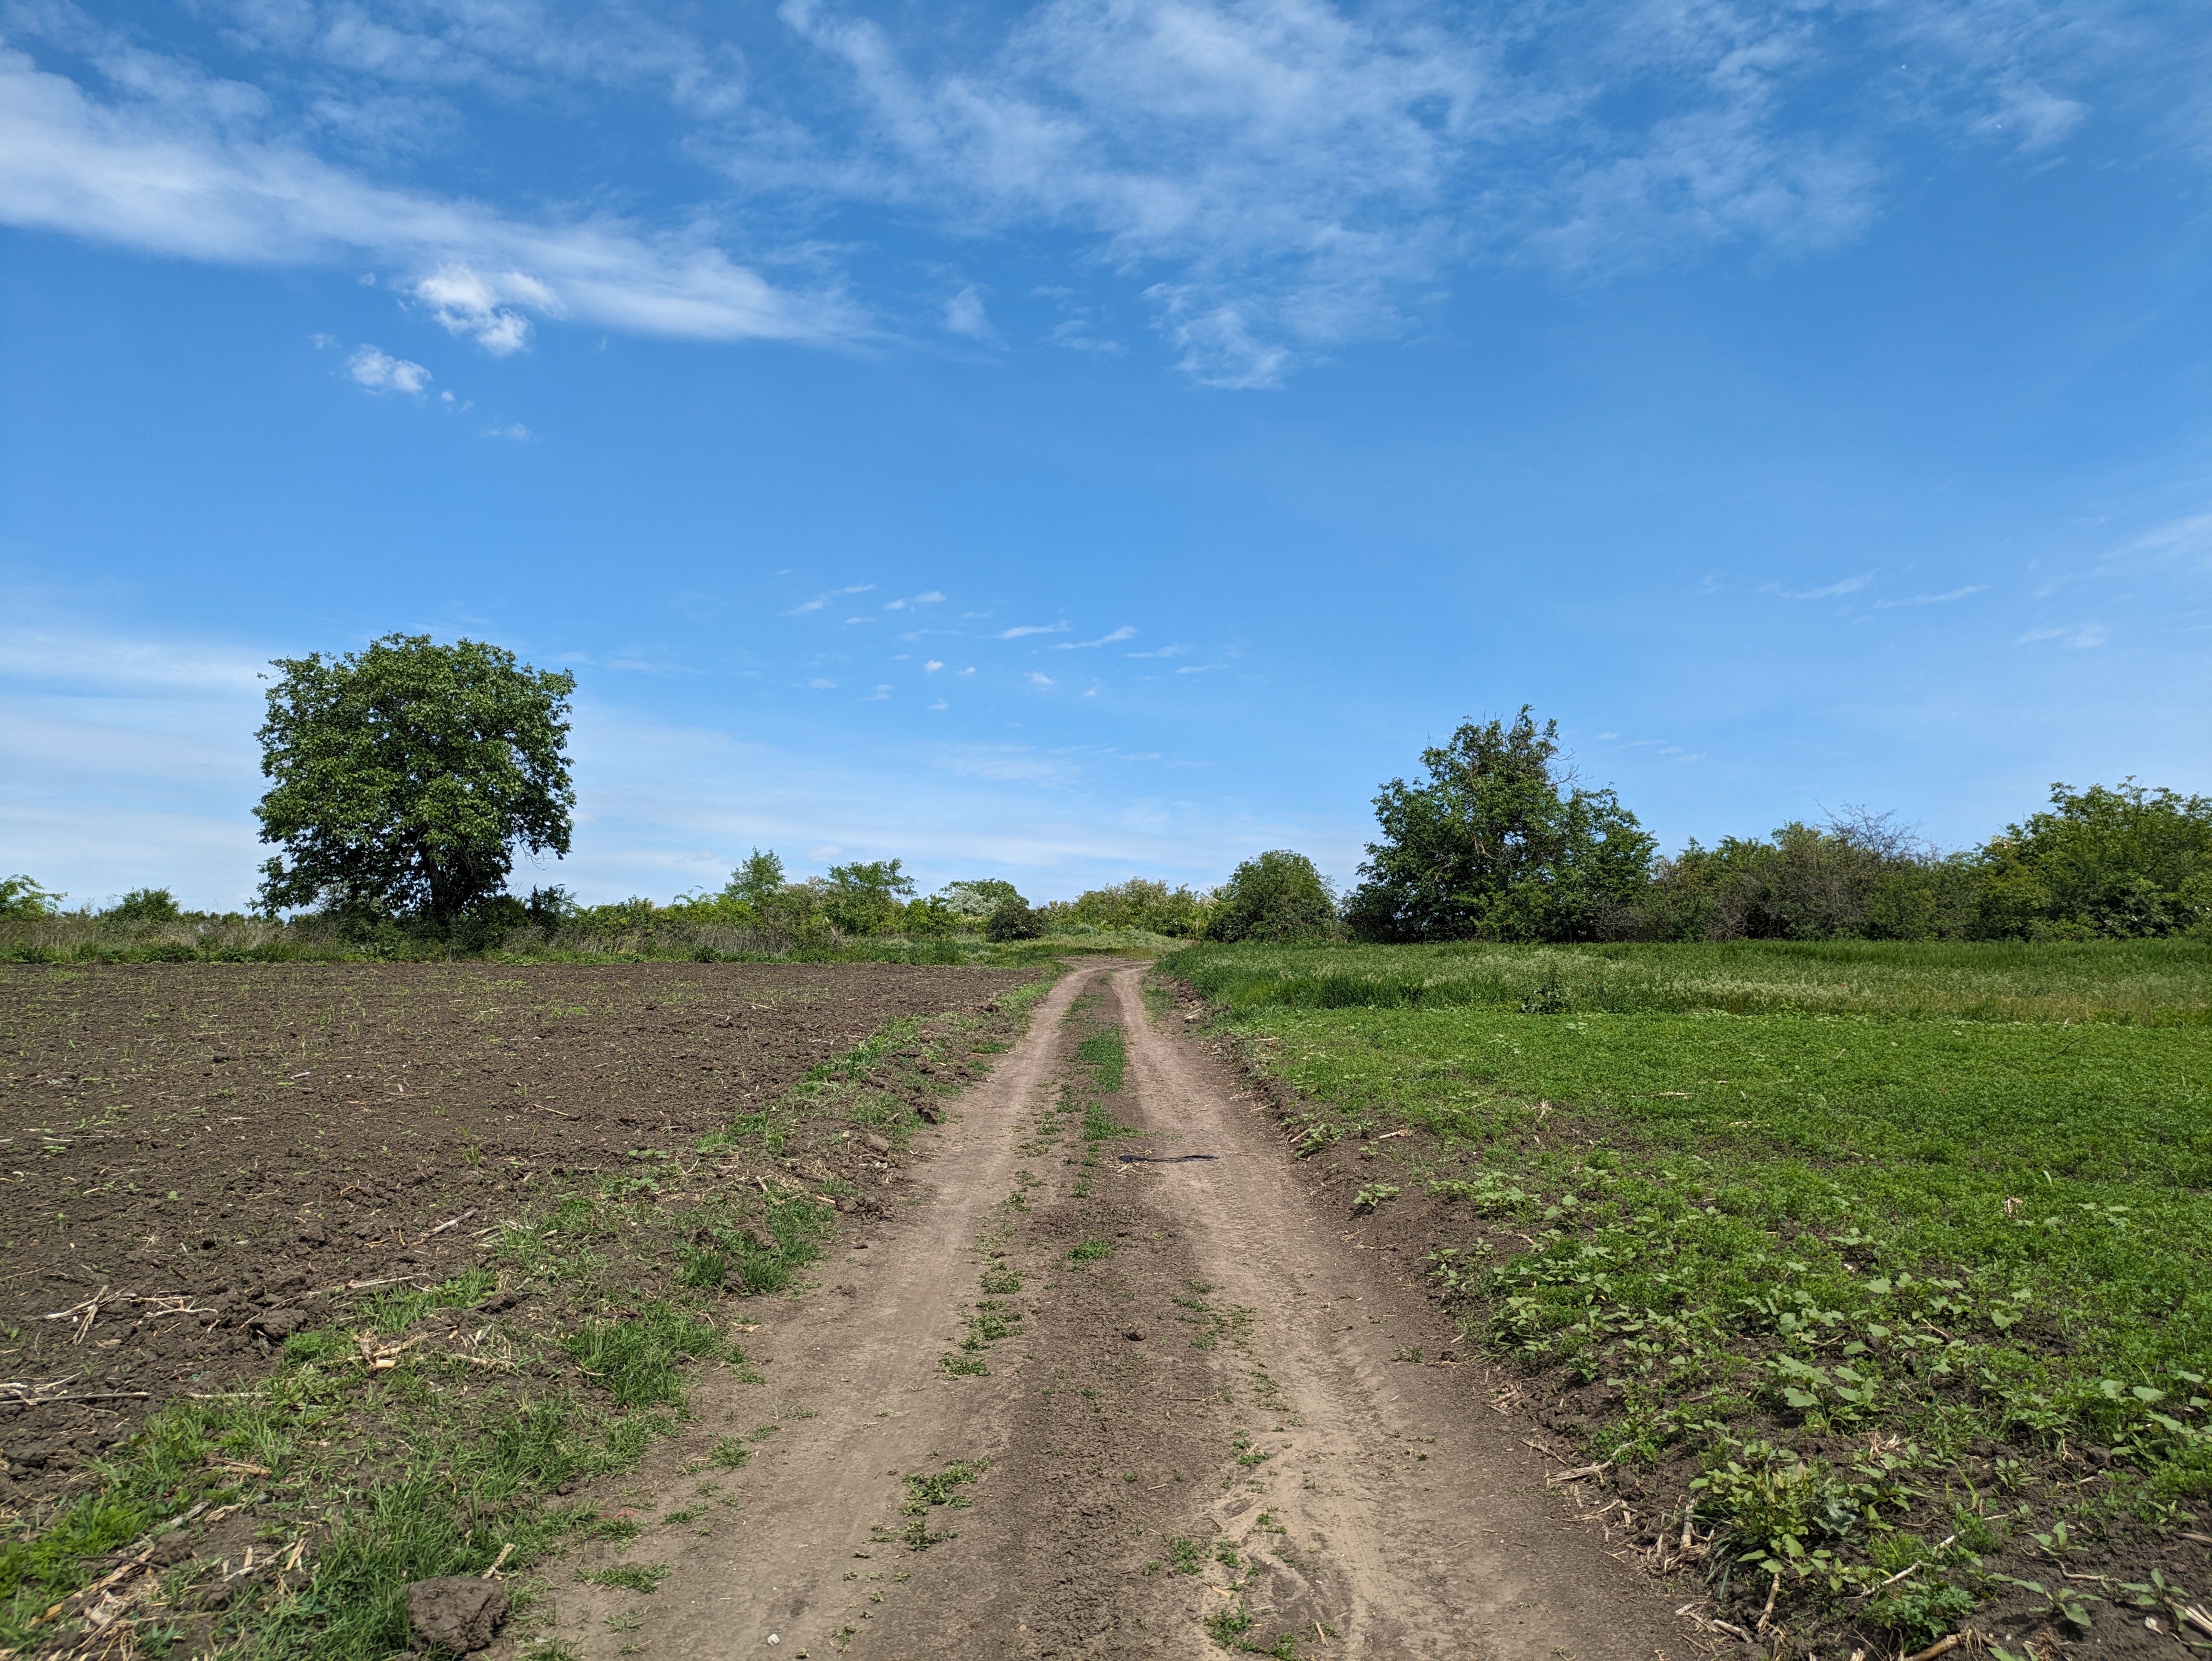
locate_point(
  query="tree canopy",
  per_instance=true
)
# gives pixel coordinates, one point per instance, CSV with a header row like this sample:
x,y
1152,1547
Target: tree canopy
x,y
406,776
1275,896
1498,845
2104,861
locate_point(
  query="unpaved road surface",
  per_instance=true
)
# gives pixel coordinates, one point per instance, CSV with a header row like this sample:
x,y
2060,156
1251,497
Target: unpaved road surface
x,y
1115,1384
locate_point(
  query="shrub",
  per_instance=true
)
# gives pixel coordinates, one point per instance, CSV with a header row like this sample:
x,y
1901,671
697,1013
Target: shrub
x,y
1144,903
1013,920
2102,863
145,905
1279,896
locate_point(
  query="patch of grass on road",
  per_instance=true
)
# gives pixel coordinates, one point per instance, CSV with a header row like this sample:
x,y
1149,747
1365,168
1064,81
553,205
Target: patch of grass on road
x,y
1873,1241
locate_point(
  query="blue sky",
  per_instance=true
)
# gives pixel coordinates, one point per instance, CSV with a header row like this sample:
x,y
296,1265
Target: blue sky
x,y
1105,437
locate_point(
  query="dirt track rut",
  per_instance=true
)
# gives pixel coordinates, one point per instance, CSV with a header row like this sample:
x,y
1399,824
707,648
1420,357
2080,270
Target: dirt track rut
x,y
1200,1428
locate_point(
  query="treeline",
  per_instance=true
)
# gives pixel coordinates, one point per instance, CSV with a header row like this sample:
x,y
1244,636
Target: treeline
x,y
1272,896
406,778
1499,843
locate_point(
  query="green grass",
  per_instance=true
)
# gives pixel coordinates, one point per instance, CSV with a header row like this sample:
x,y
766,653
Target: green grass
x,y
2151,982
1764,1200
635,1358
1107,1056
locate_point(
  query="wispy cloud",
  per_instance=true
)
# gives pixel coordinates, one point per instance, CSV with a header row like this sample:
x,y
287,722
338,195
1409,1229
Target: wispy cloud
x,y
180,164
1266,180
827,596
1020,630
1124,632
964,315
1833,591
1944,598
2079,637
1037,679
932,597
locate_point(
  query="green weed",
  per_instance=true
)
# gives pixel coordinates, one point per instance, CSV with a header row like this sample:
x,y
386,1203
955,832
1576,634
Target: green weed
x,y
630,1577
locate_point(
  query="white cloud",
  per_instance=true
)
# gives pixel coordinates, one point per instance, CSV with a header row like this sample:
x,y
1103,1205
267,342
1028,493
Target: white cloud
x,y
964,315
1041,680
1124,632
932,597
1833,591
933,665
470,304
1022,628
513,429
382,373
1933,599
826,596
1215,344
2078,638
176,164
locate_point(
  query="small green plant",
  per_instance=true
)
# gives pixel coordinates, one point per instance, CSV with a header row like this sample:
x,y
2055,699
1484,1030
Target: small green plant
x,y
1089,1251
730,1453
1374,1196
1228,1628
925,1489
963,1366
1000,1279
1183,1555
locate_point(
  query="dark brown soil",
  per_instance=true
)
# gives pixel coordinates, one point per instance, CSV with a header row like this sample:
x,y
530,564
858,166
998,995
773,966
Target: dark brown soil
x,y
195,1157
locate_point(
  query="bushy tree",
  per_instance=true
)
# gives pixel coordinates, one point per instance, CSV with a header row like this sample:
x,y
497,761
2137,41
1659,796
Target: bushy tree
x,y
406,776
1860,876
1277,896
1500,845
2102,863
1012,919
1144,903
22,899
864,898
757,881
977,897
145,905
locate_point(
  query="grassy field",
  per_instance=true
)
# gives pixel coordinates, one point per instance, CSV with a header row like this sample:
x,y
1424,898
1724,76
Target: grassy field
x,y
1890,1256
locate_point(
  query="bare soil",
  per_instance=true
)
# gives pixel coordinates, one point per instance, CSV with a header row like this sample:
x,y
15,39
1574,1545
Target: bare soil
x,y
196,1159
1112,1378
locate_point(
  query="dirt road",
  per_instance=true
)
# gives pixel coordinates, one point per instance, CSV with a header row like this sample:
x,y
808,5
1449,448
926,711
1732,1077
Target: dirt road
x,y
1115,1384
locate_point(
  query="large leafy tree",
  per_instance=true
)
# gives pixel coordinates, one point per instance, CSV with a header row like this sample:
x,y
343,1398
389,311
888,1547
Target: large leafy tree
x,y
406,775
1499,843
